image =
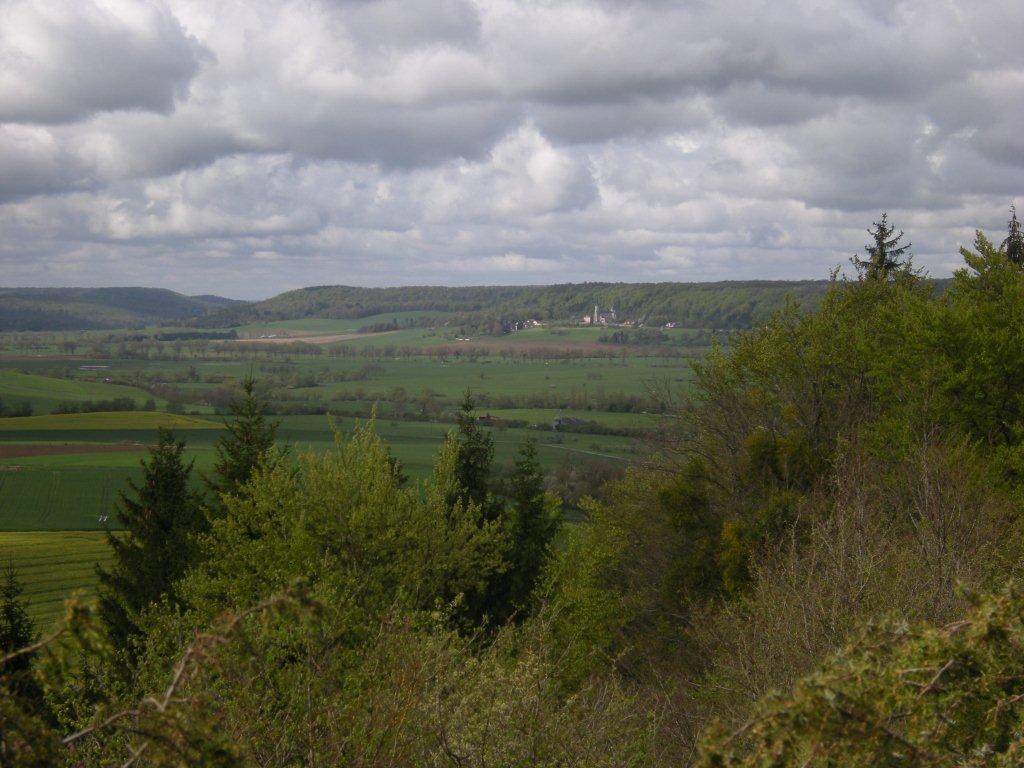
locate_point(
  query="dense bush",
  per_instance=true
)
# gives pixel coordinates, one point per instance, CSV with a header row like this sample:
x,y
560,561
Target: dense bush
x,y
22,408
97,406
899,695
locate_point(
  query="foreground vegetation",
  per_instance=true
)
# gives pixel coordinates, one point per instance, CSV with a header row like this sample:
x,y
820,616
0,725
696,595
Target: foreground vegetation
x,y
815,568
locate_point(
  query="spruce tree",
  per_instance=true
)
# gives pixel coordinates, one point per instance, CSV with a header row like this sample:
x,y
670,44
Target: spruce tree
x,y
17,631
885,254
161,518
16,628
1013,245
531,525
476,454
249,438
488,604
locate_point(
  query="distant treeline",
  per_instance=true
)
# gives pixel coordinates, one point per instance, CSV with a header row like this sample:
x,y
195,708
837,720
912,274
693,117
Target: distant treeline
x,y
21,408
174,336
104,406
195,335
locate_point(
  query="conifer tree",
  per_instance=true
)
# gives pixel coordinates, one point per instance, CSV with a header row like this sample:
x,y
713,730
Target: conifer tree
x,y
1013,245
531,524
476,454
161,517
885,254
249,438
17,631
489,603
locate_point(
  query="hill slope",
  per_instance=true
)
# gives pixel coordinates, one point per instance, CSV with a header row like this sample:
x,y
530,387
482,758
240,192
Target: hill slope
x,y
79,309
735,304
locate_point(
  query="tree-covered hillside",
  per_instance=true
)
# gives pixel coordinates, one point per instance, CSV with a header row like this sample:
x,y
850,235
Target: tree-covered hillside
x,y
692,305
723,305
74,309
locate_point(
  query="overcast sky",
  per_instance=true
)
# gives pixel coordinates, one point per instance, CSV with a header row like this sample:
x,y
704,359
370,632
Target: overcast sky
x,y
245,148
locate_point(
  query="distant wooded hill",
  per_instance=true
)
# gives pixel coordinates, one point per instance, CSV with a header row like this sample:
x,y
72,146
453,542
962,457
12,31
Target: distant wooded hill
x,y
732,304
79,309
722,305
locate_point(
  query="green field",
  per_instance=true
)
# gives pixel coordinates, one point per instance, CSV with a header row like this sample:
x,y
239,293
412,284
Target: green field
x,y
500,377
59,498
51,565
52,507
73,491
46,393
118,420
326,326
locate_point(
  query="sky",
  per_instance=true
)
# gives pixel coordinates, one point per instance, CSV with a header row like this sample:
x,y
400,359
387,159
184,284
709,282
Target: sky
x,y
247,148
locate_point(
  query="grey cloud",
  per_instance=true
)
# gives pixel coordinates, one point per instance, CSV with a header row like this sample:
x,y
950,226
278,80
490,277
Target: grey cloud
x,y
754,103
364,130
592,123
62,61
140,144
453,141
33,163
408,23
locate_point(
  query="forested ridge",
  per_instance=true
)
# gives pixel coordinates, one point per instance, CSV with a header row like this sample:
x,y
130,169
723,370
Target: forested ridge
x,y
723,305
732,304
815,566
63,309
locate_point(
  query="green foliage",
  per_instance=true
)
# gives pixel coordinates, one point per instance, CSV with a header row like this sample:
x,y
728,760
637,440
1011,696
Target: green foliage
x,y
26,739
982,336
884,252
160,517
281,685
246,445
531,521
346,521
620,586
17,631
16,628
476,455
358,666
898,696
1013,245
684,573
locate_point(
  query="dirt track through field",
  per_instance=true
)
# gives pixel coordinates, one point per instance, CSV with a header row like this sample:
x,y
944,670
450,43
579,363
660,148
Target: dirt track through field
x,y
17,451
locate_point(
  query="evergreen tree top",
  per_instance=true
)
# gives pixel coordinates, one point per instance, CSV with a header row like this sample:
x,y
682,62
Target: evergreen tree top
x,y
884,254
476,454
1013,245
248,439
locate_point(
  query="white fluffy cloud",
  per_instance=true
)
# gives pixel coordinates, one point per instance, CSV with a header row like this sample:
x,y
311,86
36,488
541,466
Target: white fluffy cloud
x,y
239,147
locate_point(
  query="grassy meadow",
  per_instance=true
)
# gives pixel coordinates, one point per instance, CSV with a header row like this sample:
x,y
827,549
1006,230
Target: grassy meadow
x,y
45,393
51,566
